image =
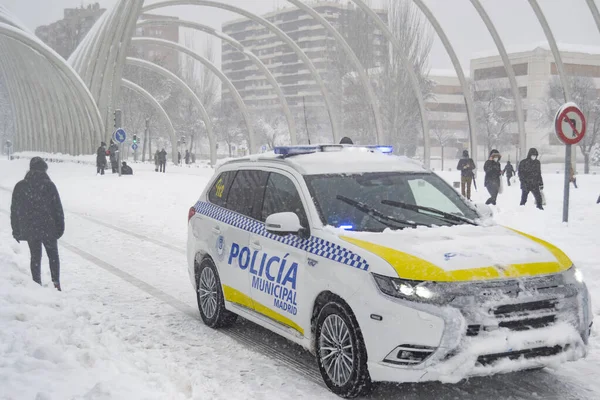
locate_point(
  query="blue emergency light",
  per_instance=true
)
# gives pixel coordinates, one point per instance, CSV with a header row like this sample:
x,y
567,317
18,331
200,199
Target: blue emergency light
x,y
346,227
287,151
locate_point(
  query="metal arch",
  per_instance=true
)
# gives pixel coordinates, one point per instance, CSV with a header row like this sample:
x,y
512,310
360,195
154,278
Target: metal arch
x,y
276,31
459,73
509,71
237,45
169,75
62,67
360,69
595,13
142,92
554,47
557,60
414,80
236,95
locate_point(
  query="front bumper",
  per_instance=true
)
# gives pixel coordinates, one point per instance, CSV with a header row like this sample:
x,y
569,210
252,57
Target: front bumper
x,y
489,329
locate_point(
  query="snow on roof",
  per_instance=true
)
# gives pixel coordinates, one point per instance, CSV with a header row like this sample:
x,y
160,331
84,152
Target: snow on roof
x,y
565,47
349,160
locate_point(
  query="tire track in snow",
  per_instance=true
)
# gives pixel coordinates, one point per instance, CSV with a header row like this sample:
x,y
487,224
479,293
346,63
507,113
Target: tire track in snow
x,y
300,365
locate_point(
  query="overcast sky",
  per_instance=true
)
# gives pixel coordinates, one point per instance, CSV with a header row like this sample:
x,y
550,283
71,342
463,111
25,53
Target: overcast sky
x,y
570,19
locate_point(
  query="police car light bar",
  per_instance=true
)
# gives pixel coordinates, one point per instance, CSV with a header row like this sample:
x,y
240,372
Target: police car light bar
x,y
287,151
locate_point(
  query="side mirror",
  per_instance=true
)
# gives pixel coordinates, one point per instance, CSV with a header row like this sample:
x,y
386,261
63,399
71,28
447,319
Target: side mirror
x,y
284,223
484,210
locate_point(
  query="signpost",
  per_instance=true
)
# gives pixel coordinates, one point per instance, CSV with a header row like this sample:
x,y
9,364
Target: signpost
x,y
570,127
119,136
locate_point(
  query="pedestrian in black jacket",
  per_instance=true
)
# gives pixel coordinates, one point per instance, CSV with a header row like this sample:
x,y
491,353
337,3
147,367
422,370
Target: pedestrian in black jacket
x,y
101,159
466,166
493,171
162,160
126,169
113,151
509,171
36,216
530,174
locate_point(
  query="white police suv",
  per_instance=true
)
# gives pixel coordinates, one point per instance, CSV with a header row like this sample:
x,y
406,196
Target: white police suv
x,y
380,269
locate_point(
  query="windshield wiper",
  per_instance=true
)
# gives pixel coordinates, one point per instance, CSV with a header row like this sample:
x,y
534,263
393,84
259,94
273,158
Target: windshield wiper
x,y
378,215
439,214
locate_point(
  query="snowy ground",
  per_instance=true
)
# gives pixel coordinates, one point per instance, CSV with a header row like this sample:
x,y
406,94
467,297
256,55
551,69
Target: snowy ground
x,y
126,325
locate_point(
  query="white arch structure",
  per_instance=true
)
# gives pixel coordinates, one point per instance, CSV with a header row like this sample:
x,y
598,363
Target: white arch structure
x,y
68,106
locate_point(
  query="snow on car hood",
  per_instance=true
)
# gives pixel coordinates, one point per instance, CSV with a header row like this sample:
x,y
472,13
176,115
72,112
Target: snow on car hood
x,y
462,253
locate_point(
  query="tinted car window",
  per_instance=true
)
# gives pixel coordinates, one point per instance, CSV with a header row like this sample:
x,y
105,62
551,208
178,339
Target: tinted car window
x,y
245,188
281,196
218,193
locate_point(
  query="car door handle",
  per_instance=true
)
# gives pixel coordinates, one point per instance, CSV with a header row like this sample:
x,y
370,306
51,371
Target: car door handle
x,y
216,230
255,244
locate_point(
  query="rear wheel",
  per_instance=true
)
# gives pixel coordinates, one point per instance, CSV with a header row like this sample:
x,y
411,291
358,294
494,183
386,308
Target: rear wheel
x,y
209,294
341,353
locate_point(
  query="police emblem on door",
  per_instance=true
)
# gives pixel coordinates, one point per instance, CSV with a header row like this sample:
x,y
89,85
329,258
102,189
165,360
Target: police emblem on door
x,y
220,247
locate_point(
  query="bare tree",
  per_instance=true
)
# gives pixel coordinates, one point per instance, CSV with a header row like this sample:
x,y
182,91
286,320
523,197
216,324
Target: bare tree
x,y
228,125
6,117
442,134
494,114
585,94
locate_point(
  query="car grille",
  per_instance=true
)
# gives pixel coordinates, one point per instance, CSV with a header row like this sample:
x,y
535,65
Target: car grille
x,y
527,354
516,305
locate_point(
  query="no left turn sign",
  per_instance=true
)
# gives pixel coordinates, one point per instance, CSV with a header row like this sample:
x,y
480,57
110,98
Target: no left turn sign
x,y
570,124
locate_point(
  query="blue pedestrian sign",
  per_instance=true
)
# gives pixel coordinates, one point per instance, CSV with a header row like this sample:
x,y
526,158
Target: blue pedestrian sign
x,y
134,146
120,135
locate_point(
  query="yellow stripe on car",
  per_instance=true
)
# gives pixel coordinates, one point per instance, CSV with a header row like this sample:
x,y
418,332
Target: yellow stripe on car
x,y
411,267
235,296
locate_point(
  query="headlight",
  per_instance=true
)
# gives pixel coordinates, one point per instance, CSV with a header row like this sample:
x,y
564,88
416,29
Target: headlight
x,y
573,276
420,291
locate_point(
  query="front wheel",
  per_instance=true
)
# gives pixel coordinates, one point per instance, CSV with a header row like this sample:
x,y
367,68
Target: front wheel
x,y
341,352
209,294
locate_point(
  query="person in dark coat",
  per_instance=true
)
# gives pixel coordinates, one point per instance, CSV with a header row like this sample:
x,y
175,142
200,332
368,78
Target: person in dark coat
x,y
126,169
493,171
466,166
530,174
162,160
36,216
101,159
113,151
509,171
178,158
187,156
346,140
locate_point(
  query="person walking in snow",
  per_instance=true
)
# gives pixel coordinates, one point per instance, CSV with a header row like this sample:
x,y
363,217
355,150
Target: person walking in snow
x,y
466,166
101,159
162,160
509,171
493,171
530,175
113,151
156,160
573,178
36,216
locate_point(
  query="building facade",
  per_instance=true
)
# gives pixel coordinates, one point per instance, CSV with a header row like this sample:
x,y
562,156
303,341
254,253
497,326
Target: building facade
x,y
161,55
292,74
65,35
535,69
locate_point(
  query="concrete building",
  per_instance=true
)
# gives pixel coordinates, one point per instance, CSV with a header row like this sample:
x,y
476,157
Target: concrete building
x,y
292,73
161,55
534,69
63,36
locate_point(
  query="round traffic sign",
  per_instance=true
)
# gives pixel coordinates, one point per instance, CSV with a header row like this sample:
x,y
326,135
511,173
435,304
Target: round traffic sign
x,y
570,124
120,135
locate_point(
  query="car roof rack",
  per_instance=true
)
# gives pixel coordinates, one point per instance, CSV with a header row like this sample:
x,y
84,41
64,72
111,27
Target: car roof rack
x,y
289,151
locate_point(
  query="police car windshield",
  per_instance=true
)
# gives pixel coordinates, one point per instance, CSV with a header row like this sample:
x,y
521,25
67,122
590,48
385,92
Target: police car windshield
x,y
374,189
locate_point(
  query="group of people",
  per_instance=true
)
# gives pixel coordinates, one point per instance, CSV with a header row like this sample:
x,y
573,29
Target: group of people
x,y
529,172
113,154
160,160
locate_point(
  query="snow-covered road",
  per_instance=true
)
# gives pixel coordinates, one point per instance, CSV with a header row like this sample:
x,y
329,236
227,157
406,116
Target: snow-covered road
x,y
127,327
